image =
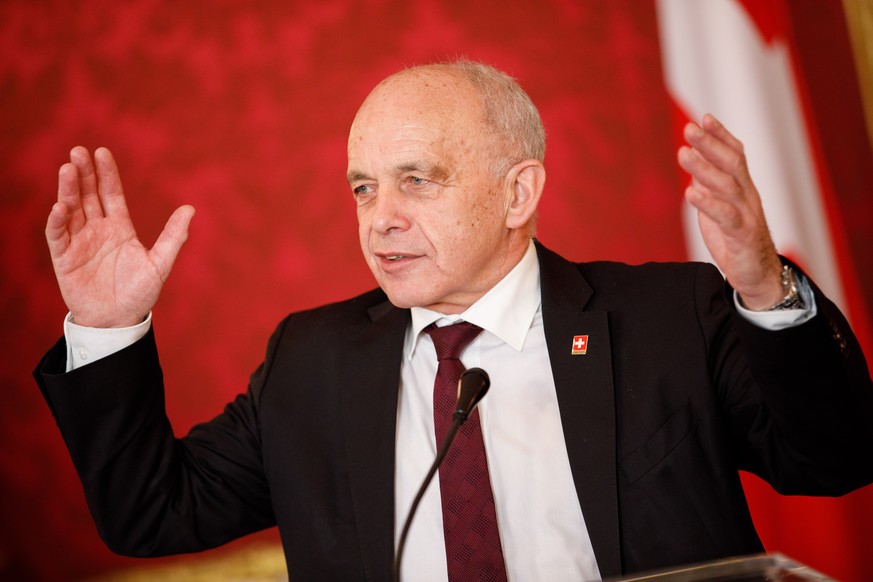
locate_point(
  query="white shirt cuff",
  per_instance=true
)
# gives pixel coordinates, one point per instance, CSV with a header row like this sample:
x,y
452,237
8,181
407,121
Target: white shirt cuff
x,y
88,344
782,319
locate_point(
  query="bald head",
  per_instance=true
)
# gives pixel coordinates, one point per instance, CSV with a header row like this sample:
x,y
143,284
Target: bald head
x,y
513,124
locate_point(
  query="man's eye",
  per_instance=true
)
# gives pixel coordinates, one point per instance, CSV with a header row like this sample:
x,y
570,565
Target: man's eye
x,y
417,181
363,194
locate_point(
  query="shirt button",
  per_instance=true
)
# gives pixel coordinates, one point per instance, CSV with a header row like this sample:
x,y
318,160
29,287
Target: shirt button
x,y
83,354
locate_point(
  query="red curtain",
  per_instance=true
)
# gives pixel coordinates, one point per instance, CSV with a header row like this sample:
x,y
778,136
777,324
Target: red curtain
x,y
243,111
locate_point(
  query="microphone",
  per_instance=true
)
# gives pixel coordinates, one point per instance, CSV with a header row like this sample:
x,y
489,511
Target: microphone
x,y
472,386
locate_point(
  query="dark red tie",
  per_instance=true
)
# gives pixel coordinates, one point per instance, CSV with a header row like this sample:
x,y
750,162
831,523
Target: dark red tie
x,y
469,521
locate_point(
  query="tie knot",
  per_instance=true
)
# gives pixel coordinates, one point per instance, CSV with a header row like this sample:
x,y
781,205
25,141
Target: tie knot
x,y
451,340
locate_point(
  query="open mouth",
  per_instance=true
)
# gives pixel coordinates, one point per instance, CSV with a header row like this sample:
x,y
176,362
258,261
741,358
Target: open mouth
x,y
394,259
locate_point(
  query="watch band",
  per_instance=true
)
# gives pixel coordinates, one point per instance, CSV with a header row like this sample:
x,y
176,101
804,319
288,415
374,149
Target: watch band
x,y
792,299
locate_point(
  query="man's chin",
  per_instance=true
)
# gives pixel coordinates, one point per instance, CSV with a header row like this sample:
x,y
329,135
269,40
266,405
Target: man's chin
x,y
403,301
406,299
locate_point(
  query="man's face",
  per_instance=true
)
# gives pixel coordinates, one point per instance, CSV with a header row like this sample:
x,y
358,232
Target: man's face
x,y
430,214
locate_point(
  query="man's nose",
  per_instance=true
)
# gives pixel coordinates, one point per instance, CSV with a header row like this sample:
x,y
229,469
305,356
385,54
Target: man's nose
x,y
390,212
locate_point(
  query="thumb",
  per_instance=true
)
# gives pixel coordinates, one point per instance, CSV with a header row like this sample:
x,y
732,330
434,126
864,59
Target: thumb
x,y
170,242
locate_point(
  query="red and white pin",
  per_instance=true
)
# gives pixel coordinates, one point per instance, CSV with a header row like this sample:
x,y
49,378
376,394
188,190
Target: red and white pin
x,y
580,345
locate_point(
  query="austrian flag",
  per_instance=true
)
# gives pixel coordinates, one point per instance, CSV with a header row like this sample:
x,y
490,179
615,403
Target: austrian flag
x,y
580,345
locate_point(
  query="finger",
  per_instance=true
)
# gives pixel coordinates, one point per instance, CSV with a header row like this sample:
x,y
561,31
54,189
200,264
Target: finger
x,y
57,233
91,206
726,215
170,242
705,173
715,127
110,191
69,195
715,144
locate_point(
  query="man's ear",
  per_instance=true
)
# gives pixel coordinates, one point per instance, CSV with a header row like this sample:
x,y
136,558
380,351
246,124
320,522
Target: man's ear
x,y
524,186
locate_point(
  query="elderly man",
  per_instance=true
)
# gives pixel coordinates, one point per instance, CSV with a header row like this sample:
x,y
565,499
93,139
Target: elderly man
x,y
598,452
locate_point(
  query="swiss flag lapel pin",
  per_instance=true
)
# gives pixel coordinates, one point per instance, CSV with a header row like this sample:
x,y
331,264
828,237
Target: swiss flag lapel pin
x,y
580,345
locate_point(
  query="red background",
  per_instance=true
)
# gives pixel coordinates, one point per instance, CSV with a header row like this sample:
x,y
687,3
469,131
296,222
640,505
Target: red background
x,y
243,111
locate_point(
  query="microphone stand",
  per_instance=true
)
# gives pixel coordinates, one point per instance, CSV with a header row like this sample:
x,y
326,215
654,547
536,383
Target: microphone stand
x,y
472,387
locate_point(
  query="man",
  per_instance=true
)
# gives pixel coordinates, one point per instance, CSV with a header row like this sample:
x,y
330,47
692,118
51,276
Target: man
x,y
624,398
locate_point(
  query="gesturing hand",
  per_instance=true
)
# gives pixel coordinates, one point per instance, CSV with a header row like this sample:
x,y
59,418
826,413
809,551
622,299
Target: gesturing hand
x,y
106,276
730,215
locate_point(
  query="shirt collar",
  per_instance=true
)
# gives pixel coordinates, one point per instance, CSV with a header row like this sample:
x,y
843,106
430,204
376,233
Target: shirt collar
x,y
506,310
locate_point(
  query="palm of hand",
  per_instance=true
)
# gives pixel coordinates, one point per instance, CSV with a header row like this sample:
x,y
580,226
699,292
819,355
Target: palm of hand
x,y
107,277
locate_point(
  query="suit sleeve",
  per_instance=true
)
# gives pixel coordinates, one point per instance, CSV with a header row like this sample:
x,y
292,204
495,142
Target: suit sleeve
x,y
800,408
149,493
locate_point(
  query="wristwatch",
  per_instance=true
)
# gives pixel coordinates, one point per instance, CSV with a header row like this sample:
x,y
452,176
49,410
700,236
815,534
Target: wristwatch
x,y
792,300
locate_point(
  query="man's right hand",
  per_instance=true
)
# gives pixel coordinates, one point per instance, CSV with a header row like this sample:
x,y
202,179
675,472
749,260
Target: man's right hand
x,y
107,277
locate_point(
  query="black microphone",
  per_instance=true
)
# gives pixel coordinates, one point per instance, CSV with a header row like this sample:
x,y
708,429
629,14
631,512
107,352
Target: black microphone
x,y
472,386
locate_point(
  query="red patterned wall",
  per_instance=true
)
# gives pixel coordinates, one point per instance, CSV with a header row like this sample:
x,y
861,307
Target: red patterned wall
x,y
242,110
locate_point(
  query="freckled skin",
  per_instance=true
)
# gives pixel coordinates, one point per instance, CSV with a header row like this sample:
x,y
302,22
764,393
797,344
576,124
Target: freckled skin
x,y
419,158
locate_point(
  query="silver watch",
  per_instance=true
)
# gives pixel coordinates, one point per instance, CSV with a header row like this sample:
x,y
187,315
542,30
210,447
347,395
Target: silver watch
x,y
792,300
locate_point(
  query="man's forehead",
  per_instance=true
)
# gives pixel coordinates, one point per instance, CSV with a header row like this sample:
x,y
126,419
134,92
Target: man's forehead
x,y
397,126
401,148
407,131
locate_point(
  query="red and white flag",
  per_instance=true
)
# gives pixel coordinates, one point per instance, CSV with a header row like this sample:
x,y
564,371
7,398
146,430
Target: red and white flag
x,y
735,59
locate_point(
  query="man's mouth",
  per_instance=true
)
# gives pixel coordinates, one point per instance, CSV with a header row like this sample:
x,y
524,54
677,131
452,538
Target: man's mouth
x,y
394,258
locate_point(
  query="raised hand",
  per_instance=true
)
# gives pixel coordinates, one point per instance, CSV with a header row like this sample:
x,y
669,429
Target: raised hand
x,y
730,214
106,276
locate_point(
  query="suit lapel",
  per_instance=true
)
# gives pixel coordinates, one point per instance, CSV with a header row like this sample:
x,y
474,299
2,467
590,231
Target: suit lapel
x,y
586,399
372,375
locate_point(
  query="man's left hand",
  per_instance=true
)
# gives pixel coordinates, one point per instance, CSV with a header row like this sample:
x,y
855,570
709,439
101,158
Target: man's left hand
x,y
730,215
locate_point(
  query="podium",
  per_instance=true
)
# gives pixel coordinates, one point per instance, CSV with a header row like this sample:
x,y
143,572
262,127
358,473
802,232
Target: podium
x,y
755,568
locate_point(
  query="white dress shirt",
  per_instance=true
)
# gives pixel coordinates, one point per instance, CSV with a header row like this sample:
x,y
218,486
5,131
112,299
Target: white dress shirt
x,y
542,529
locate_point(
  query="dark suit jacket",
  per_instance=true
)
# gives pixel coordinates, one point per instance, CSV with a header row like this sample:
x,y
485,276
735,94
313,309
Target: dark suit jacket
x,y
675,394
